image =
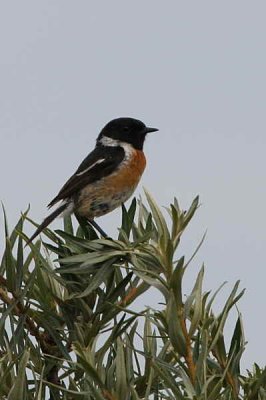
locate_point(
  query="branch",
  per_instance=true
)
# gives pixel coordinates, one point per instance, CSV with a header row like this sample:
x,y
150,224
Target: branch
x,y
229,378
189,356
20,310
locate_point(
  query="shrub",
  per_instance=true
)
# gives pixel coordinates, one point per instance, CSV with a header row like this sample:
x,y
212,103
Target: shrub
x,y
69,327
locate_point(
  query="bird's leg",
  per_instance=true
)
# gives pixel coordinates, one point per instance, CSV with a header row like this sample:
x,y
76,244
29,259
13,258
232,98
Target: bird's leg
x,y
87,230
83,222
98,228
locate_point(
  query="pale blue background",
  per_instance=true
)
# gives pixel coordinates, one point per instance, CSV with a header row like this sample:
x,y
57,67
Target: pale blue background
x,y
194,69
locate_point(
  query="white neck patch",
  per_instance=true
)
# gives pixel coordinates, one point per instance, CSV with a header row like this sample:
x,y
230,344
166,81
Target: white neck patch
x,y
128,148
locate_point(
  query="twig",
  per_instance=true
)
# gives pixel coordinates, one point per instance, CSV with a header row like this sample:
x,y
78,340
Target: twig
x,y
43,338
108,396
188,356
230,380
20,310
132,294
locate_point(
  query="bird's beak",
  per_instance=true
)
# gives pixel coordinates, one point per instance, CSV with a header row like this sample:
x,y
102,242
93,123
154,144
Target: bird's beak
x,y
148,130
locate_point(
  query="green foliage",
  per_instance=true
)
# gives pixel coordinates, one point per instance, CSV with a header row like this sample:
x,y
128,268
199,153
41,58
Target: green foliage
x,y
69,328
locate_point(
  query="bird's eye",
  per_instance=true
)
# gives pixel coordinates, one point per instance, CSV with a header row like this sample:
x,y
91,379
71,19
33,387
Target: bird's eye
x,y
126,129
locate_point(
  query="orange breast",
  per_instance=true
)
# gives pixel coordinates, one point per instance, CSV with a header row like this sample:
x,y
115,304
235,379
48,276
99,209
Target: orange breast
x,y
105,195
130,172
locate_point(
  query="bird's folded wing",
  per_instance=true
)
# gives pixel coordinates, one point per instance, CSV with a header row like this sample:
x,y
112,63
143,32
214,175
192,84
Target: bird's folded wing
x,y
99,163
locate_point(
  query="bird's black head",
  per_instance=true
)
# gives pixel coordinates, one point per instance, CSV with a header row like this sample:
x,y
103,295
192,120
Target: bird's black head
x,y
127,130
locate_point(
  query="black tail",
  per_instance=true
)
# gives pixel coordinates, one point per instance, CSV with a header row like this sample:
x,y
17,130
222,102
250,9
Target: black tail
x,y
47,221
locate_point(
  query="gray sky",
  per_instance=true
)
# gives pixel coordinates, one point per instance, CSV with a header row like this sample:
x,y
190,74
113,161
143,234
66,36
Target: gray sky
x,y
196,70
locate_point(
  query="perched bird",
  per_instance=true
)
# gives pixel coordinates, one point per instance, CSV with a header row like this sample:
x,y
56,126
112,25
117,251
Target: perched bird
x,y
107,177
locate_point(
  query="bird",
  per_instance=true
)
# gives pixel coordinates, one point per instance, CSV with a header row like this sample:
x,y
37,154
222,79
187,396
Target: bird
x,y
107,177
